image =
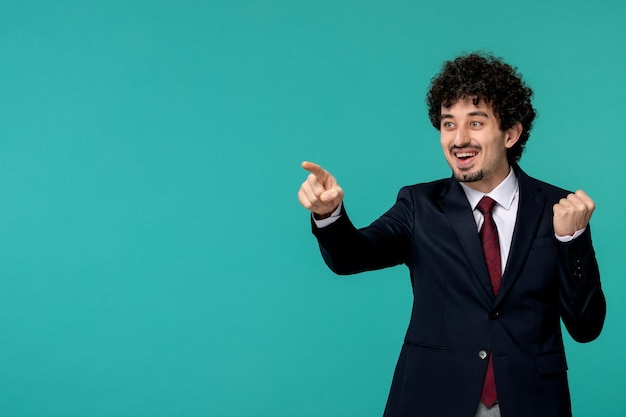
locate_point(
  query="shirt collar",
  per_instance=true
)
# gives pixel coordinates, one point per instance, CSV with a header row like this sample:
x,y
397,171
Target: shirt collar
x,y
503,194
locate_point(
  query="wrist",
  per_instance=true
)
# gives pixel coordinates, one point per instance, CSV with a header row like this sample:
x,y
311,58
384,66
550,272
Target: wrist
x,y
318,216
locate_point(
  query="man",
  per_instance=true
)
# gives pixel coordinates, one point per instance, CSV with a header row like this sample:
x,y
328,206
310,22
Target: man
x,y
492,277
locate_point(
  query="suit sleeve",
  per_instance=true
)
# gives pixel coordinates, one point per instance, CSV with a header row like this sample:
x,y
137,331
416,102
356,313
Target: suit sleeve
x,y
348,250
583,306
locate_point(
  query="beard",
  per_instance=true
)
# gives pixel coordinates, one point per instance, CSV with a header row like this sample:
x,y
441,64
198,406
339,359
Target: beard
x,y
469,176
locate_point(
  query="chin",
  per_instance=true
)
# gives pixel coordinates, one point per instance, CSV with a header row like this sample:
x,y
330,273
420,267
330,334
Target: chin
x,y
469,176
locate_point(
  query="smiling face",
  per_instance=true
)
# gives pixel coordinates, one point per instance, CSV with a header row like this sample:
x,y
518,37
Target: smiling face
x,y
474,145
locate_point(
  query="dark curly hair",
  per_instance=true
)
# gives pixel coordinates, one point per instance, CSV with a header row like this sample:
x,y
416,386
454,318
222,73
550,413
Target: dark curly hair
x,y
484,77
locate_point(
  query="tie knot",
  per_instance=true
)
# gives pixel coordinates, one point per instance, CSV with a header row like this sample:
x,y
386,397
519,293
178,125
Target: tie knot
x,y
486,205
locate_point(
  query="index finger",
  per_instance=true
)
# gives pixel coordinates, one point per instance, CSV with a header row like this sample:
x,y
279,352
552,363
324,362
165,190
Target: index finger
x,y
316,170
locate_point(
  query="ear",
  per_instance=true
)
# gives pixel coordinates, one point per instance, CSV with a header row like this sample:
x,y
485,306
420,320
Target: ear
x,y
512,135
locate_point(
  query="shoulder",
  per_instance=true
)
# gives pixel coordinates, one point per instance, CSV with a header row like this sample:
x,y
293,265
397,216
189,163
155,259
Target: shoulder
x,y
526,182
531,182
432,188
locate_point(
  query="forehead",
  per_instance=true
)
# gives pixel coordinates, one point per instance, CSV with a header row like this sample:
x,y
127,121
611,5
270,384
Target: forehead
x,y
468,106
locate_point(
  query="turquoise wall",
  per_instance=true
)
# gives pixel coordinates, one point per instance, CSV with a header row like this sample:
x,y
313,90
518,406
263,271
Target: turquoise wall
x,y
154,259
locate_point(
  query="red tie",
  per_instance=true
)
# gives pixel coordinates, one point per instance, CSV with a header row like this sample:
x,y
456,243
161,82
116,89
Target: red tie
x,y
491,249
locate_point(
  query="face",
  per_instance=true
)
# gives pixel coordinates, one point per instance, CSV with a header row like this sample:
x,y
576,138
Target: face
x,y
474,145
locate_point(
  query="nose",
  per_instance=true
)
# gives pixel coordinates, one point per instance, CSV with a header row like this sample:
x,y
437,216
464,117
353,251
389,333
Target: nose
x,y
461,136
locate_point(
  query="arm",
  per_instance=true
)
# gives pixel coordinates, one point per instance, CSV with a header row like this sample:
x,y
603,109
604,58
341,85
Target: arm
x,y
346,249
583,306
385,243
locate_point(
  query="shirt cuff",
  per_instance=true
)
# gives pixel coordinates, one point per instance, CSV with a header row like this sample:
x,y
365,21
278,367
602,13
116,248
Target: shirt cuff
x,y
566,239
329,220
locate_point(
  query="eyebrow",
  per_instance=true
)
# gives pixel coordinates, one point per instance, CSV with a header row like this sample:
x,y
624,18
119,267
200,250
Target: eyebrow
x,y
471,114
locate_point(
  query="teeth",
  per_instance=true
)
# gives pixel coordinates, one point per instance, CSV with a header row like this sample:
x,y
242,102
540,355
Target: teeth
x,y
465,155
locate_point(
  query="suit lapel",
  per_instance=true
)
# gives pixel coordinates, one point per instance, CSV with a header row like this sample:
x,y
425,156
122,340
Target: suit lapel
x,y
459,213
529,212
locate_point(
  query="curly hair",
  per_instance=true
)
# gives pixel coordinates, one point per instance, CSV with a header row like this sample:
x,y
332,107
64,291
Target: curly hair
x,y
484,77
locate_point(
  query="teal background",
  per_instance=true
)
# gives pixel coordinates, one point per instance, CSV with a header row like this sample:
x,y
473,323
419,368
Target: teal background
x,y
154,260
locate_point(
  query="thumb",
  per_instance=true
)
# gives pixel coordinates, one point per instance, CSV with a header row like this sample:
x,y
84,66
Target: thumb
x,y
331,195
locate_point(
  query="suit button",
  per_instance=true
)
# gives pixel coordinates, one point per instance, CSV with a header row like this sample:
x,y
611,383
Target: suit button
x,y
482,354
494,315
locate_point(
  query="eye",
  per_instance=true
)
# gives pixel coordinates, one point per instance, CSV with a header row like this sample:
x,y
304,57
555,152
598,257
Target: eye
x,y
447,125
475,124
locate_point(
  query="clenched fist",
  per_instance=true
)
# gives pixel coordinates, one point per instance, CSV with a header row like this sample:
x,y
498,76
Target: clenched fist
x,y
320,193
572,213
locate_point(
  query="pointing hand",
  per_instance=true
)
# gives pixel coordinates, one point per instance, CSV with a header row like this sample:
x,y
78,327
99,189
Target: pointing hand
x,y
320,193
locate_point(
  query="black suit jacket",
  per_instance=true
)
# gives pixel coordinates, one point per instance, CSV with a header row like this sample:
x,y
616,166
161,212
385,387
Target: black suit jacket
x,y
456,320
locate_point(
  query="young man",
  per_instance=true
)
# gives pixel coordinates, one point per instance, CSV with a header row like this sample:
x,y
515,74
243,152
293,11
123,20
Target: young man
x,y
496,258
